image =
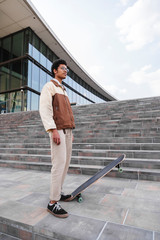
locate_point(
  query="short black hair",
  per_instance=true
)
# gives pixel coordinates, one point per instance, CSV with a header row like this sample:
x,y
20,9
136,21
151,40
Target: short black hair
x,y
56,64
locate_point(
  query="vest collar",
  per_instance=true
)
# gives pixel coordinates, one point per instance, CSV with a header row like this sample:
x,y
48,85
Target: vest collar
x,y
57,83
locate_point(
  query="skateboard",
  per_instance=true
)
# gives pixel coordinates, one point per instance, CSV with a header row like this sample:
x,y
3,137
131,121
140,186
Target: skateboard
x,y
97,176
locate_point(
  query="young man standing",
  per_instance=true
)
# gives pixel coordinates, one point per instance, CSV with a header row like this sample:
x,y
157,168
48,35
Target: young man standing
x,y
58,120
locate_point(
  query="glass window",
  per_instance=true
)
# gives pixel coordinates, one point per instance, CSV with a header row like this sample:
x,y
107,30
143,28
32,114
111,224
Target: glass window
x,y
29,74
69,81
4,78
43,54
49,55
15,101
48,78
35,77
43,60
27,41
49,64
35,41
25,72
34,101
16,75
55,56
36,45
17,46
6,49
0,50
69,93
43,79
35,54
30,49
28,100
3,103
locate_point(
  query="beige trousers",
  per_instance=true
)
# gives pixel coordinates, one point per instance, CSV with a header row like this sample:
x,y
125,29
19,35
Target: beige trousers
x,y
60,158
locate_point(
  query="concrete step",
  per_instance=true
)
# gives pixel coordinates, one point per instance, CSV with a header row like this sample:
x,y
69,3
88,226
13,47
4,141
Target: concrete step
x,y
117,146
129,162
88,129
86,139
84,160
107,139
117,131
78,145
133,173
39,151
25,157
15,154
4,236
24,145
115,153
36,139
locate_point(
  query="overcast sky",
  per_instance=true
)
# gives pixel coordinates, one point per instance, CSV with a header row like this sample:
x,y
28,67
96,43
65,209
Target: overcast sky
x,y
116,41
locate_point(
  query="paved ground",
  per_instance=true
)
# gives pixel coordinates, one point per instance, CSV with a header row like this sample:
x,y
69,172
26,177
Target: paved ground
x,y
112,208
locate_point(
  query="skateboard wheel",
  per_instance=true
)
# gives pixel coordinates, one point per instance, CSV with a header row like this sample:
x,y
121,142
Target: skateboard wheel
x,y
120,170
80,199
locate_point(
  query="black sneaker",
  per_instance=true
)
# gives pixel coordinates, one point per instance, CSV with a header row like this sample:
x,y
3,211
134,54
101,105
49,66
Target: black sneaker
x,y
65,197
57,210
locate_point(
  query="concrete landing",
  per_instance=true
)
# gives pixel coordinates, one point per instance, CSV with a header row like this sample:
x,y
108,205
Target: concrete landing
x,y
112,209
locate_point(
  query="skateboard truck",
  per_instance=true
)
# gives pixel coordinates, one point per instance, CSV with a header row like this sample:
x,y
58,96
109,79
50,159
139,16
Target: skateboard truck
x,y
79,198
119,168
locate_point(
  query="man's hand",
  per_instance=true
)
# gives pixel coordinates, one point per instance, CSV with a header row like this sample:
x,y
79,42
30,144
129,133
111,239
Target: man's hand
x,y
56,137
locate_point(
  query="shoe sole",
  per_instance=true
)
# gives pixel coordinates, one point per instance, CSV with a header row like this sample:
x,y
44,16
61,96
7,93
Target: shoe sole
x,y
67,199
58,215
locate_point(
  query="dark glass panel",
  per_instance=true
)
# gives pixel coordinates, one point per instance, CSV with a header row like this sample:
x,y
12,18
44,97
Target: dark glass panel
x,y
25,72
0,50
16,75
4,78
6,49
43,48
36,41
15,101
17,47
25,100
27,41
49,55
43,54
36,47
3,103
55,57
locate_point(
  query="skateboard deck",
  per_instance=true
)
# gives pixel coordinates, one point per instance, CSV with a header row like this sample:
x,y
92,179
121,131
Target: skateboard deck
x,y
97,176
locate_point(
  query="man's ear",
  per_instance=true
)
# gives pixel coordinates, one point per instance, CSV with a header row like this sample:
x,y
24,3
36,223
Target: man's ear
x,y
54,71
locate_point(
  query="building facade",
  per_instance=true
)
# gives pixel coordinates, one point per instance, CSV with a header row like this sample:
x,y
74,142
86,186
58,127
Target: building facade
x,y
25,66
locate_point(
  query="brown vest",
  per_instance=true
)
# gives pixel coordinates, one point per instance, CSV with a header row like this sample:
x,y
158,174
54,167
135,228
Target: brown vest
x,y
62,111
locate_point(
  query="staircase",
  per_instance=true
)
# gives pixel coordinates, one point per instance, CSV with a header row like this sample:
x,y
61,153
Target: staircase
x,y
103,132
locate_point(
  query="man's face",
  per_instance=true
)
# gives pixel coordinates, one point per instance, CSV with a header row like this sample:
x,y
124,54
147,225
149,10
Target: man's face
x,y
61,71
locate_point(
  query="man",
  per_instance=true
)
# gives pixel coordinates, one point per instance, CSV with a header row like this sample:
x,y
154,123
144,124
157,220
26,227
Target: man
x,y
58,120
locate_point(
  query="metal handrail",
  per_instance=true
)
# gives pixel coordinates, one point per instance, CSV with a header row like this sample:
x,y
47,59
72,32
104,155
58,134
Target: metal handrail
x,y
20,89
